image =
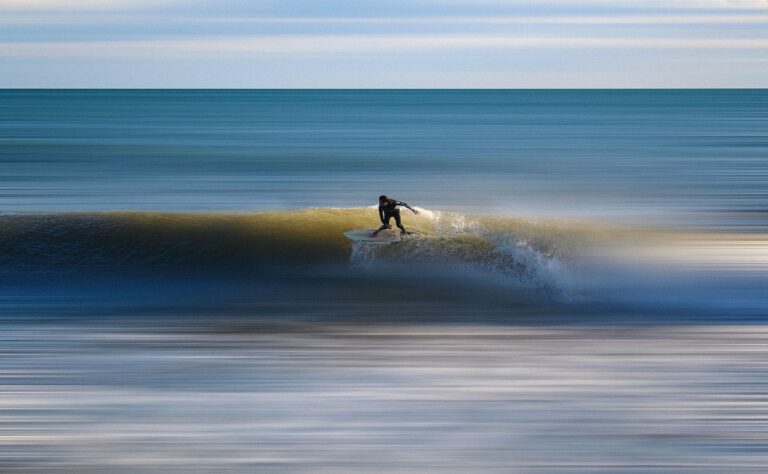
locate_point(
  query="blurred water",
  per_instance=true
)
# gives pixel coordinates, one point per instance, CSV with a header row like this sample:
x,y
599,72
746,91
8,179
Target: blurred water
x,y
512,335
679,156
227,397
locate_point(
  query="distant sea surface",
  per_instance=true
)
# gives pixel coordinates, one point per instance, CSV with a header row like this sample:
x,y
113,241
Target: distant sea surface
x,y
677,156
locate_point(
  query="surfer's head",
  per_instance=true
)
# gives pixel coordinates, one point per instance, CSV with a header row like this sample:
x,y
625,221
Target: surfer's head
x,y
383,198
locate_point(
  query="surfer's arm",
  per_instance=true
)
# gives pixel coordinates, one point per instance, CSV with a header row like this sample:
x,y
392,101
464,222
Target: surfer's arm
x,y
405,204
382,217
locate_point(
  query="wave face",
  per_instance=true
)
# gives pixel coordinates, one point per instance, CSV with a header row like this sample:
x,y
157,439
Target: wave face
x,y
210,241
449,256
78,241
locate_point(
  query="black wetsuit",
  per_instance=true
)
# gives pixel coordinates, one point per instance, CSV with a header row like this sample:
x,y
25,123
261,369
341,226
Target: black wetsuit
x,y
390,210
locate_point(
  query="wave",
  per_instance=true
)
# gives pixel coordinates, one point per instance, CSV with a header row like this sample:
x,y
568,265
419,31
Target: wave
x,y
516,248
575,261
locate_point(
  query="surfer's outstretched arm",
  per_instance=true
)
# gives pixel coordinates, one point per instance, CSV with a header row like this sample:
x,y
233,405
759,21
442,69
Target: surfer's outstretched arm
x,y
405,204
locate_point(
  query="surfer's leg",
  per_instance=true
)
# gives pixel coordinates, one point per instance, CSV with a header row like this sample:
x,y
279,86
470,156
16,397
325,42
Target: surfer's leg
x,y
397,221
383,226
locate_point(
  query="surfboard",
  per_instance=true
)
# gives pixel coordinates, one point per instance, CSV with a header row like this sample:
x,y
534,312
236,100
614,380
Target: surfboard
x,y
386,236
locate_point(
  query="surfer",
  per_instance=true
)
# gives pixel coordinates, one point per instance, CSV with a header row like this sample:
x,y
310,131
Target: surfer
x,y
387,210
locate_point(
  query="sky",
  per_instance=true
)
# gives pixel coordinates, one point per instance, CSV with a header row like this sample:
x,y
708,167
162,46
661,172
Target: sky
x,y
383,44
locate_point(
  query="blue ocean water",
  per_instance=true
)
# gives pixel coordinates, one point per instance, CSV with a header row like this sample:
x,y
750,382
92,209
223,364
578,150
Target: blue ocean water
x,y
585,288
677,156
513,186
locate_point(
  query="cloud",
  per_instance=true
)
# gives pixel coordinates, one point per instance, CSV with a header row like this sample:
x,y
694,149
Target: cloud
x,y
560,40
618,19
416,7
83,5
181,48
691,4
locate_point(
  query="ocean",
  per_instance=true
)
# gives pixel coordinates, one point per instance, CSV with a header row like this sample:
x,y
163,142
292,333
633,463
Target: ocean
x,y
641,154
585,288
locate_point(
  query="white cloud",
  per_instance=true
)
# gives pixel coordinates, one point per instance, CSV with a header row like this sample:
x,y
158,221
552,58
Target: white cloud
x,y
363,5
181,48
82,5
692,4
619,19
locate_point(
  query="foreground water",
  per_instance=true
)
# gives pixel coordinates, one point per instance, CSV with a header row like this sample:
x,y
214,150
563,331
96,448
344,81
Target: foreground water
x,y
585,289
232,396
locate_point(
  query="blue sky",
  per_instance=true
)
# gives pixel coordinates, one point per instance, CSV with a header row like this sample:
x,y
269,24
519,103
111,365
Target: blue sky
x,y
394,43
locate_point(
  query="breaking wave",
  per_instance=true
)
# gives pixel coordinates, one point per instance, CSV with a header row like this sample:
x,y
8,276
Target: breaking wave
x,y
448,252
537,252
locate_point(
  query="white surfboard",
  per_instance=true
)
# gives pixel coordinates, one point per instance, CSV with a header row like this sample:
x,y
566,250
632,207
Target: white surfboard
x,y
386,236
